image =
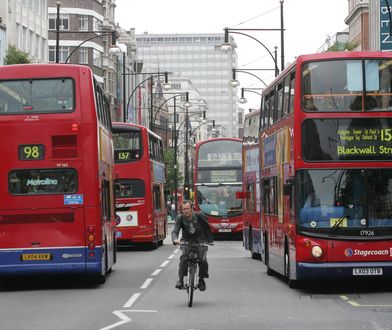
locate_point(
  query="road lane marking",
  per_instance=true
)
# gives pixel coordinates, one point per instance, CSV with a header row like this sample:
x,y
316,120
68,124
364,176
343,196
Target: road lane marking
x,y
146,283
124,318
156,272
355,304
164,263
131,300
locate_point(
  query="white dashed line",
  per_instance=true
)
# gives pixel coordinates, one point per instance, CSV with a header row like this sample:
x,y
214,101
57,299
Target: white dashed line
x,y
164,263
146,283
171,256
156,272
132,300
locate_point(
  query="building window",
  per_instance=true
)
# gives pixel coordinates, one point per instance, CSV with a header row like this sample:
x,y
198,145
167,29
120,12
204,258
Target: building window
x,y
83,23
83,55
63,53
97,58
64,21
96,24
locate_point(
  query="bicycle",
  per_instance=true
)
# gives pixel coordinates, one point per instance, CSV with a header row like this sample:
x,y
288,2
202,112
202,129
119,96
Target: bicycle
x,y
193,253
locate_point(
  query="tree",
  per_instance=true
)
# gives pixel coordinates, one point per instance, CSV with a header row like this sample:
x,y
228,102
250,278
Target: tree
x,y
169,162
16,56
342,46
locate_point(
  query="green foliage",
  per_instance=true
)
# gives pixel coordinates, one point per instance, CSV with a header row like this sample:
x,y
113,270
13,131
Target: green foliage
x,y
16,56
342,46
169,162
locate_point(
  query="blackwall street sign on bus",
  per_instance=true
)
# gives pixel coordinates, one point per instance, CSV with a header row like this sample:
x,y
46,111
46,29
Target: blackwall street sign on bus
x,y
385,25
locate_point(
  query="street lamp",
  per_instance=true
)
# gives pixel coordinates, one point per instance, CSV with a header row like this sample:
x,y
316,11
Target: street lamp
x,y
151,77
242,99
235,83
226,46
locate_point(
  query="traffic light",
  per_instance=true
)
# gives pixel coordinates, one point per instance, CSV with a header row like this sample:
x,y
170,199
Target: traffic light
x,y
114,38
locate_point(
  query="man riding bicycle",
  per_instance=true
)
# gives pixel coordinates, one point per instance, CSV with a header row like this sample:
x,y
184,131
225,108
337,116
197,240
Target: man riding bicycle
x,y
195,229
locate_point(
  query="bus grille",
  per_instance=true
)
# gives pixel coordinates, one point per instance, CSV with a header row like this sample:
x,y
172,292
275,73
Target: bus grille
x,y
64,146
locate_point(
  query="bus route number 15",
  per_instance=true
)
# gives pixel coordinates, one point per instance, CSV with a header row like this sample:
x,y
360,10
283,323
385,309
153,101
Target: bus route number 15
x,y
31,152
386,134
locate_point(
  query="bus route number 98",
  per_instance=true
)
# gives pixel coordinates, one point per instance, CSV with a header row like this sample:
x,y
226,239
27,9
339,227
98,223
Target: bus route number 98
x,y
31,152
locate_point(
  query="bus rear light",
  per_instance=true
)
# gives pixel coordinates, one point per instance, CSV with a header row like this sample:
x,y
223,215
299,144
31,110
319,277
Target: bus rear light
x,y
75,127
90,229
91,238
91,246
307,243
317,251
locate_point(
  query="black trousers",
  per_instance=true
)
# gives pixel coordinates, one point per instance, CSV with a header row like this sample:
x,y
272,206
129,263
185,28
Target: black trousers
x,y
203,265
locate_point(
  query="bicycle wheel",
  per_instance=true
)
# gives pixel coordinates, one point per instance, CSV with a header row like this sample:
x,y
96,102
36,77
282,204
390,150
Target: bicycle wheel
x,y
191,284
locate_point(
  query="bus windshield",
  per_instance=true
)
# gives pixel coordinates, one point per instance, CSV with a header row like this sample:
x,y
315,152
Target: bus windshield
x,y
219,200
127,145
356,198
36,96
347,85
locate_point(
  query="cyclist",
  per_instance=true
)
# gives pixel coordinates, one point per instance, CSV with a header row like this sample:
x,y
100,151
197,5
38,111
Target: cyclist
x,y
195,229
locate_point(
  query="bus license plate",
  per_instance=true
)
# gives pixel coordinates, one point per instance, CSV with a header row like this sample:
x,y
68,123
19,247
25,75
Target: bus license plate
x,y
224,230
367,271
36,256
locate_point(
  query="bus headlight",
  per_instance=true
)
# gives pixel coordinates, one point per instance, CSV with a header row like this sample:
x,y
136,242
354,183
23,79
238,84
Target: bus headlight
x,y
317,251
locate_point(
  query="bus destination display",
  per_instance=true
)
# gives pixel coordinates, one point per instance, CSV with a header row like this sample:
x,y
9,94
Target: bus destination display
x,y
347,139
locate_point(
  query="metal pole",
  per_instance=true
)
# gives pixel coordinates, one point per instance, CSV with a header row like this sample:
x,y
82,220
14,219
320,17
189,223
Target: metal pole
x,y
125,110
58,33
151,104
186,165
281,36
175,157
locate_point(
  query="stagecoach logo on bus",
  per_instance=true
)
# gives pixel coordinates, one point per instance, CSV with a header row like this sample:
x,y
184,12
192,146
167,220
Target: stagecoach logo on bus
x,y
75,199
349,252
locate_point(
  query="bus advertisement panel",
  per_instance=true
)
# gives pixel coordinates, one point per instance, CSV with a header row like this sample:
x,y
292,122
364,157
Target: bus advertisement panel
x,y
141,213
326,179
57,200
252,238
217,179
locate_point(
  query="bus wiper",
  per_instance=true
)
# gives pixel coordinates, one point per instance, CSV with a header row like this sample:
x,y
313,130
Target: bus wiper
x,y
340,220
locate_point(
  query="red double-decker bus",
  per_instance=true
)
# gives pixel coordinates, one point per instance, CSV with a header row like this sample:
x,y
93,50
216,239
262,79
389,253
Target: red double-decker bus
x,y
252,238
326,177
217,179
56,191
141,212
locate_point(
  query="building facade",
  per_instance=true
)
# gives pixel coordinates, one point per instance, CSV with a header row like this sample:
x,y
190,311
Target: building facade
x,y
26,26
358,22
197,57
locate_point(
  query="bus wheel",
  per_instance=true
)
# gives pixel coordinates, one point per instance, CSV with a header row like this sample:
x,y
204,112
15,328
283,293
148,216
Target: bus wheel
x,y
287,273
101,278
270,272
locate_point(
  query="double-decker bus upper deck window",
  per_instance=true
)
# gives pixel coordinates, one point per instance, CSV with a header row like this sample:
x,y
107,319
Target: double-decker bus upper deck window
x,y
347,85
42,181
127,145
36,96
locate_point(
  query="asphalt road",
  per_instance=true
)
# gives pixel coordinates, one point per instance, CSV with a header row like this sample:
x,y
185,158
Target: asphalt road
x,y
140,294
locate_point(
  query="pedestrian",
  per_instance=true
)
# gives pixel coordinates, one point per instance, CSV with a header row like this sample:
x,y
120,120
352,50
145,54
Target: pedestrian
x,y
195,229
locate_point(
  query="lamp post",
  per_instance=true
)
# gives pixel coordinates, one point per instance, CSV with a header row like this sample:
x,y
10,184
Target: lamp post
x,y
57,31
226,45
104,34
242,99
151,77
235,83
